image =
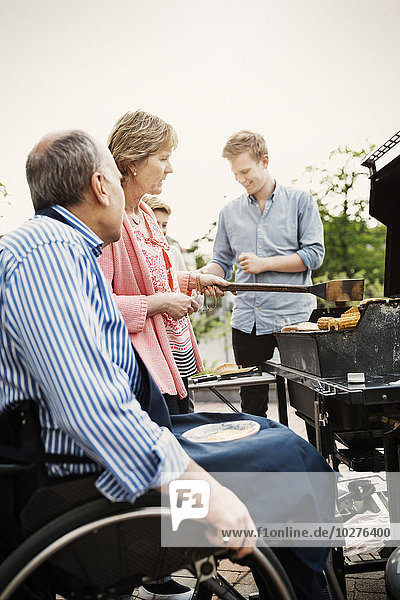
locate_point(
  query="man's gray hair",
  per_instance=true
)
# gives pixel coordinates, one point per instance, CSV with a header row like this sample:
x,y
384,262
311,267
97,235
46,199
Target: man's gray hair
x,y
59,169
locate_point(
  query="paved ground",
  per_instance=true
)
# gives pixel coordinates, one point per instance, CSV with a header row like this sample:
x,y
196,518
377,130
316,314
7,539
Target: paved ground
x,y
364,586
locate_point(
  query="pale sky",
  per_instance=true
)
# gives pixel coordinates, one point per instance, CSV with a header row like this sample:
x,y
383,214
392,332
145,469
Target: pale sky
x,y
309,74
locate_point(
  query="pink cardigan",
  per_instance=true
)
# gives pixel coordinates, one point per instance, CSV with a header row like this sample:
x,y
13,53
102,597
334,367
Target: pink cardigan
x,y
128,276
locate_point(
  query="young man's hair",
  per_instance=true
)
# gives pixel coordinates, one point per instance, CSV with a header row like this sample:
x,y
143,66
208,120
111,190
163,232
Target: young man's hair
x,y
59,171
156,204
245,141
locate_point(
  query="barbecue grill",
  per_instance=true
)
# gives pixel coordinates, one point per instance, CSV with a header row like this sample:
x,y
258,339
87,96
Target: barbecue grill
x,y
364,416
316,364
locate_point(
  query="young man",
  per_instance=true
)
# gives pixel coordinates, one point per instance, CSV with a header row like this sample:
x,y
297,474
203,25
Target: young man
x,y
64,345
274,235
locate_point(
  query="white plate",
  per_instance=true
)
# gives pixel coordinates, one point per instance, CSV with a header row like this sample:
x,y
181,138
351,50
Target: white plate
x,y
222,432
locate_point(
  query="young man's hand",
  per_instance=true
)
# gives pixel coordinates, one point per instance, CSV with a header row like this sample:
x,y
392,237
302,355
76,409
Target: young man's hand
x,y
286,263
251,263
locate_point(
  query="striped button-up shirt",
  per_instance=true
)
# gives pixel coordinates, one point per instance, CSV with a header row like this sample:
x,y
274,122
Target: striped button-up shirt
x,y
289,224
64,344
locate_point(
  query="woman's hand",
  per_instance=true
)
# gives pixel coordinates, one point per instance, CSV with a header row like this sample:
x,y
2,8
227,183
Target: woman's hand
x,y
210,284
178,305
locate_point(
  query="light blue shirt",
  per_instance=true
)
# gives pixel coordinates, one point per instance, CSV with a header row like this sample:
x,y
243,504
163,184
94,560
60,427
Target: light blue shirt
x,y
64,344
289,224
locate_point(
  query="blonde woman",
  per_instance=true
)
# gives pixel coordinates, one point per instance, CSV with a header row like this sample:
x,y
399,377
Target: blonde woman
x,y
154,299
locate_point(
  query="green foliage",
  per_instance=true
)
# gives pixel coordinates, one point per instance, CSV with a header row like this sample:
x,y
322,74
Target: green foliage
x,y
207,324
208,366
352,247
3,196
354,242
213,322
3,200
201,247
337,186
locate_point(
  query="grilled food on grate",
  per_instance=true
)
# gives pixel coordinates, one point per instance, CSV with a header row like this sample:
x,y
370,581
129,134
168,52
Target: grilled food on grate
x,y
348,320
343,322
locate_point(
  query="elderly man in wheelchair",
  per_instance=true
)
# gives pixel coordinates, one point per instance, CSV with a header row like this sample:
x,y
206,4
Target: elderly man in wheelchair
x,y
87,445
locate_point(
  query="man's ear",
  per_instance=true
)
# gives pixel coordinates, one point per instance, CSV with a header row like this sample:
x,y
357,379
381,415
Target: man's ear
x,y
99,187
265,160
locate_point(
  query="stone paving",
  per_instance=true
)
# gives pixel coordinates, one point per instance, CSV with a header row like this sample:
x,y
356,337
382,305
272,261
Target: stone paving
x,y
237,575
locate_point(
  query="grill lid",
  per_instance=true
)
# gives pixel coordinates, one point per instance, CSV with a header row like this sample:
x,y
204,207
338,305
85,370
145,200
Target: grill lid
x,y
384,205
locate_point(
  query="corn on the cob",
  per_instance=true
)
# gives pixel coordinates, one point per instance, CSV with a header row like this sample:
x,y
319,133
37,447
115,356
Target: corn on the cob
x,y
346,321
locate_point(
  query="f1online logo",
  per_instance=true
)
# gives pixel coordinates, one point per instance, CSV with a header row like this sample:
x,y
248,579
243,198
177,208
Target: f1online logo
x,y
189,499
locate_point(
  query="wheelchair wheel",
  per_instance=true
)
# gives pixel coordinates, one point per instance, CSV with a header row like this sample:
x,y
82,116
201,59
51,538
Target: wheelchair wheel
x,y
275,580
104,550
264,563
86,552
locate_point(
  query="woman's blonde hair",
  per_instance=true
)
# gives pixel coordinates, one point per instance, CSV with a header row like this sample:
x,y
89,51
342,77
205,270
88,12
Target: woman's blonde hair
x,y
137,135
245,141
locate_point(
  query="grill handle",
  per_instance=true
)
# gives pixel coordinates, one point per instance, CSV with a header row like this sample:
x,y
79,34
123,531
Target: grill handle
x,y
336,290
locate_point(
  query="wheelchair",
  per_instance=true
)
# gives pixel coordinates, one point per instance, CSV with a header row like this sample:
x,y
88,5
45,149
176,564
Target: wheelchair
x,y
66,540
